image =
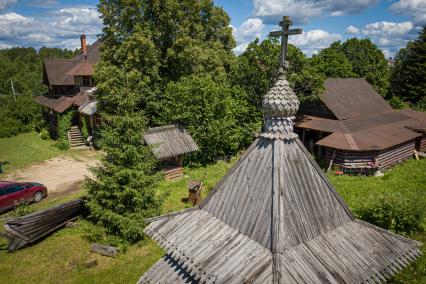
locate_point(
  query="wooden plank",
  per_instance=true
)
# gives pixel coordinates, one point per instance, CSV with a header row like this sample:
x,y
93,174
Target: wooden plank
x,y
104,250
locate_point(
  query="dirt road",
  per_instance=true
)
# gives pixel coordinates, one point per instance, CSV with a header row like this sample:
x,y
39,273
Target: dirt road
x,y
61,175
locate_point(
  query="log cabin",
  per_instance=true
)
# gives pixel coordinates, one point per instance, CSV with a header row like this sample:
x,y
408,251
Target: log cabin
x,y
354,128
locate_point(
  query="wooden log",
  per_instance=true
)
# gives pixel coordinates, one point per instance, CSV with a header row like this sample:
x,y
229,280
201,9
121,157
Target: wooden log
x,y
104,250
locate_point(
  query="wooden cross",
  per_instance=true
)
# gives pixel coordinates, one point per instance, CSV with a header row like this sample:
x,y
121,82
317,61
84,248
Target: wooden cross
x,y
284,33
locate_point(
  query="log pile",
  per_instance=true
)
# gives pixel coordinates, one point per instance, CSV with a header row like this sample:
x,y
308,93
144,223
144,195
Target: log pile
x,y
30,228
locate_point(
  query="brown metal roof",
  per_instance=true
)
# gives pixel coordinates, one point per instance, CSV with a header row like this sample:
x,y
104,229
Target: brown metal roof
x,y
379,138
63,103
352,98
61,71
169,141
365,121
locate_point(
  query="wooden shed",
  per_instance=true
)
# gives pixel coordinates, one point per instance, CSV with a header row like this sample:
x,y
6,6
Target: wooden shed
x,y
169,145
275,218
356,129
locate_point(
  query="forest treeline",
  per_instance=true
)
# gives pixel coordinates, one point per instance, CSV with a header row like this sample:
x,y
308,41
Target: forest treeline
x,y
21,69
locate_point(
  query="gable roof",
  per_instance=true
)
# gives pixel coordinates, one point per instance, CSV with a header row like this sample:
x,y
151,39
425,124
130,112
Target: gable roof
x,y
352,98
274,218
169,141
61,71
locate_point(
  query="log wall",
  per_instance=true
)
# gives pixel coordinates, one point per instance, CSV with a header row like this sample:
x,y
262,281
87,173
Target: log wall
x,y
364,161
421,144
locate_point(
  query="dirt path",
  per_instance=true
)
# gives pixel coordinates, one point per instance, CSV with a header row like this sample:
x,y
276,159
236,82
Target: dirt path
x,y
61,175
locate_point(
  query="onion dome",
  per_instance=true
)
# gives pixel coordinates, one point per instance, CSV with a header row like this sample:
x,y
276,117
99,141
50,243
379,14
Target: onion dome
x,y
280,105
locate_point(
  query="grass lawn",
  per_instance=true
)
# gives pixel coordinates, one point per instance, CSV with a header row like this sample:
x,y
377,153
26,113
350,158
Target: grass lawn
x,y
60,258
25,149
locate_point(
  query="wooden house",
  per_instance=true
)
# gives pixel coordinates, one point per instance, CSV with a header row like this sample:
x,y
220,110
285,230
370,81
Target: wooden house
x,y
275,218
354,128
71,86
169,145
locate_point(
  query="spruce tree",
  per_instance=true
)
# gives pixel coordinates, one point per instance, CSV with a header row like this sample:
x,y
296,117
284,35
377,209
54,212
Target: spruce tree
x,y
409,74
123,191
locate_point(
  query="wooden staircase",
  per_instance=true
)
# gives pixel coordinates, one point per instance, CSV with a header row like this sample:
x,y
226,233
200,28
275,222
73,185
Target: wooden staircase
x,y
74,137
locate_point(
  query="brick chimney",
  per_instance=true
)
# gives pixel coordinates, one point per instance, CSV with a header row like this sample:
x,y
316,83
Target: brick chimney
x,y
83,45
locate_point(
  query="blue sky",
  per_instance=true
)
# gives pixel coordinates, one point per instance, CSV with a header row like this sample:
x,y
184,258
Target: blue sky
x,y
389,23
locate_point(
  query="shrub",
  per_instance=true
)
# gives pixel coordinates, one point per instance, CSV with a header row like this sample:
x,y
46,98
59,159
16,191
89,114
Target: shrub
x,y
393,211
44,134
64,124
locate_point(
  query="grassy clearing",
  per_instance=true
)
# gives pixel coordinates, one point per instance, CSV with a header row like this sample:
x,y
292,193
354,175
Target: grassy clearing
x,y
25,149
61,256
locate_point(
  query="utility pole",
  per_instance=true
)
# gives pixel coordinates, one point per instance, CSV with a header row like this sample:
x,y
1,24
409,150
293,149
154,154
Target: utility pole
x,y
13,90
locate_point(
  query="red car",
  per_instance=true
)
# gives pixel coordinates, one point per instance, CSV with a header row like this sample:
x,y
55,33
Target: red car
x,y
14,193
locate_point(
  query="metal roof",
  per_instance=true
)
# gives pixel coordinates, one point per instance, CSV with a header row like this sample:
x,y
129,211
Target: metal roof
x,y
365,121
61,71
375,132
90,108
63,103
169,141
274,218
353,97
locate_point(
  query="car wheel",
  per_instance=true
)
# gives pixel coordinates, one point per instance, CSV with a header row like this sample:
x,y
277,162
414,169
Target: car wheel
x,y
38,196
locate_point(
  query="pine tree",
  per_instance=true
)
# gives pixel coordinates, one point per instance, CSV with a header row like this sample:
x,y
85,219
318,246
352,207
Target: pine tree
x,y
409,74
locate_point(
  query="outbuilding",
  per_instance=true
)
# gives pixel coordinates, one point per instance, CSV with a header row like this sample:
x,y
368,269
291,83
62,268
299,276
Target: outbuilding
x,y
170,144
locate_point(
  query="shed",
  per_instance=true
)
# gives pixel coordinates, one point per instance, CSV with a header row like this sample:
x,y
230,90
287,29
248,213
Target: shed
x,y
353,127
169,145
275,218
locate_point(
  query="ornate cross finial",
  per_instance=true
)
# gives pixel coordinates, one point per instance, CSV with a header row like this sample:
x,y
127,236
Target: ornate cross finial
x,y
284,33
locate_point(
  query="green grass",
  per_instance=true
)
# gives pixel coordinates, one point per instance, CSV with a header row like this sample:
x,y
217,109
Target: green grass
x,y
25,149
60,257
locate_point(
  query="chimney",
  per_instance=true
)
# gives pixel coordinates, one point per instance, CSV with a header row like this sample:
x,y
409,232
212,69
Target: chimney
x,y
83,45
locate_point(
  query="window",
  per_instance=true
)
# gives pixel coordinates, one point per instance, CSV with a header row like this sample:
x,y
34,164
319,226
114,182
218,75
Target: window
x,y
12,189
87,80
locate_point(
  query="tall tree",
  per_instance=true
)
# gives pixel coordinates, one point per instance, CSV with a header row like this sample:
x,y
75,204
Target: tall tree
x,y
332,63
409,74
123,191
368,62
190,37
213,111
257,66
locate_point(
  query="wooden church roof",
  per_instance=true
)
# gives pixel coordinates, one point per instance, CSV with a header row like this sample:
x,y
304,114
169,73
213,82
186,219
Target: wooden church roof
x,y
274,218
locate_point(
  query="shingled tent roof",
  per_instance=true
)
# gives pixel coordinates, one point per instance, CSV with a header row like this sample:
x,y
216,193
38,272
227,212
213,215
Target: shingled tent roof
x,y
61,71
169,141
275,218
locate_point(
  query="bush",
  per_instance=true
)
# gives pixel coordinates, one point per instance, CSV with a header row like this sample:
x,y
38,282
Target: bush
x,y
64,124
393,211
44,134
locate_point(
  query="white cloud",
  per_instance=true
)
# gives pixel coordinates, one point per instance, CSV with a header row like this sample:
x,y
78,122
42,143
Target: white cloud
x,y
247,32
312,41
389,36
301,10
61,28
388,33
7,3
416,9
352,30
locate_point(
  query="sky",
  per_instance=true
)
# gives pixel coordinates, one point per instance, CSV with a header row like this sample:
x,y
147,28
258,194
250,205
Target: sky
x,y
390,24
